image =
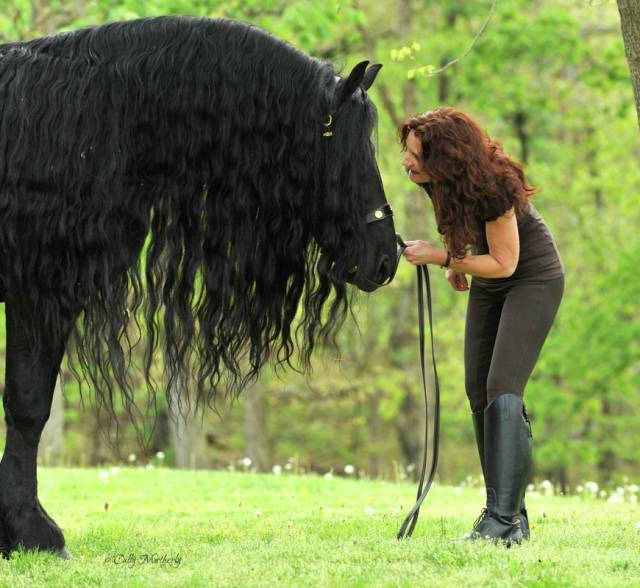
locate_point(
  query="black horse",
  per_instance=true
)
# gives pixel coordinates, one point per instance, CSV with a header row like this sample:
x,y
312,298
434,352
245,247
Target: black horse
x,y
195,180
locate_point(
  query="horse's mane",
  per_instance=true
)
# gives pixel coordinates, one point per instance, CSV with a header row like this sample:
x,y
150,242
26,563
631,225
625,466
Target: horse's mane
x,y
199,141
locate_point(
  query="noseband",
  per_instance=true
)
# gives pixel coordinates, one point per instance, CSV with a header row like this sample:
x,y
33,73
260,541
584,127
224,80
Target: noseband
x,y
384,211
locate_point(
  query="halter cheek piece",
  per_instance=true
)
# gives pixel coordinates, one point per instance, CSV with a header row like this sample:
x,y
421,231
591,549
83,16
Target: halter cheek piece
x,y
384,211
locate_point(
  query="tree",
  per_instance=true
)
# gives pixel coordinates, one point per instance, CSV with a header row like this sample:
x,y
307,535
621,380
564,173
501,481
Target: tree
x,y
630,25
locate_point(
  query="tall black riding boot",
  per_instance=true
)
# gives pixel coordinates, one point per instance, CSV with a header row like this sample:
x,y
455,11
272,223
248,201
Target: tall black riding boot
x,y
507,460
478,426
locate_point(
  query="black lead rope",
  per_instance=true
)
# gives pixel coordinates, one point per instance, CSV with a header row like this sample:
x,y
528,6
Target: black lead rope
x,y
412,517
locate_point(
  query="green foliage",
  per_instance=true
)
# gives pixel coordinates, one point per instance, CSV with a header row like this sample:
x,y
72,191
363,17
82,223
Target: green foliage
x,y
548,79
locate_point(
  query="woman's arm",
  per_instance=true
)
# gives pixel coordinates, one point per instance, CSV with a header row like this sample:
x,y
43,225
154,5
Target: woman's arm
x,y
504,250
500,262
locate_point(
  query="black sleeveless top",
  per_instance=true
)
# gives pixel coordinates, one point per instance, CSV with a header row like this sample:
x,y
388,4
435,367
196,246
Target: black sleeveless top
x,y
539,256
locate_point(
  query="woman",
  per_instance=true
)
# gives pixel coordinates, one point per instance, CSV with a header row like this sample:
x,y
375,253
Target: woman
x,y
481,199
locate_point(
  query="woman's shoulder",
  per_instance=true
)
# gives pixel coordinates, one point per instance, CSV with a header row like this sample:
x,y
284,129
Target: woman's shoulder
x,y
495,208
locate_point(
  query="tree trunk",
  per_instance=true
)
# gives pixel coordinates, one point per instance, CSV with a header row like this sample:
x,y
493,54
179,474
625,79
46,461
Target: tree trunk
x,y
187,436
51,448
630,25
255,433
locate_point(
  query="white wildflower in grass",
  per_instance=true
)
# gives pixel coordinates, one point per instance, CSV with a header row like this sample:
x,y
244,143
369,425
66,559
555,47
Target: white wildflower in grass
x,y
457,490
638,526
104,474
368,511
579,489
258,513
160,455
288,466
602,494
591,487
547,487
329,475
530,488
633,488
411,467
349,469
132,457
246,462
616,498
149,466
115,470
620,490
276,469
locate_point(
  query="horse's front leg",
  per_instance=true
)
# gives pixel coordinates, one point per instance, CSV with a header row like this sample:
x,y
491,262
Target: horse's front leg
x,y
31,372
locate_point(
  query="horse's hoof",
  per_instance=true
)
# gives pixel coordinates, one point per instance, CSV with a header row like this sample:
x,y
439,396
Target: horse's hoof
x,y
63,553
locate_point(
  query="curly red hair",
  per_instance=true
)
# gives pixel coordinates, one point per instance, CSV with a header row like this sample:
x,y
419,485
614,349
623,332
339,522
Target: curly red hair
x,y
472,178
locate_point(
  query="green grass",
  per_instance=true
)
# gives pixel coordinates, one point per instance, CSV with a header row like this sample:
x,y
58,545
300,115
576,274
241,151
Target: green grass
x,y
234,529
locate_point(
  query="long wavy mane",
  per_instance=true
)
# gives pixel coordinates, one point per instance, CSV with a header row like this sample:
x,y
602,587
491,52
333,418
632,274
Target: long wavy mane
x,y
197,143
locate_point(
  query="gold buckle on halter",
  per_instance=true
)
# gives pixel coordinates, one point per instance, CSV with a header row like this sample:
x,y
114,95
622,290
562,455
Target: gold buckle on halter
x,y
328,124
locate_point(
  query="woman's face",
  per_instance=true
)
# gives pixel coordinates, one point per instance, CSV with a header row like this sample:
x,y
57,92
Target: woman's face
x,y
412,160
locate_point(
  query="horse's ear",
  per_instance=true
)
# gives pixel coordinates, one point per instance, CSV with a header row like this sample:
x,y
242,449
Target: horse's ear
x,y
370,75
348,86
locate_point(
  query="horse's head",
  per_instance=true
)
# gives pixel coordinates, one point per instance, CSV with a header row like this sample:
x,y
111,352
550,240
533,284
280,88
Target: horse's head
x,y
359,239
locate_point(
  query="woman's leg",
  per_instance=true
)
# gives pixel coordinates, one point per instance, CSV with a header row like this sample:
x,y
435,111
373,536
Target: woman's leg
x,y
527,315
484,308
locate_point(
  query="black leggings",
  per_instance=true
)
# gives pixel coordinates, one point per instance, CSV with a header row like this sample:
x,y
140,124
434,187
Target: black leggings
x,y
505,329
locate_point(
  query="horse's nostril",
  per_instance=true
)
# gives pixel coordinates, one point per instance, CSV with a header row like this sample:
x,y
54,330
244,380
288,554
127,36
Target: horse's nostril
x,y
384,268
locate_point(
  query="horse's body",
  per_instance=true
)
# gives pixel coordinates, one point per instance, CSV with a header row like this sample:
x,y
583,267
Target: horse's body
x,y
209,140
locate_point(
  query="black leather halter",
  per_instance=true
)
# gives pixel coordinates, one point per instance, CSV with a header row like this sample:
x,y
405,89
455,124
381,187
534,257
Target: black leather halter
x,y
411,519
384,211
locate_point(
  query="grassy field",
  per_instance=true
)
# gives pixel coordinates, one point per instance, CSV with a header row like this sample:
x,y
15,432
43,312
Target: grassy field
x,y
161,527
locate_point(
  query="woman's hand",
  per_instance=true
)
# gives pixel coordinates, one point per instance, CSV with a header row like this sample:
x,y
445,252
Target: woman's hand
x,y
421,253
457,280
